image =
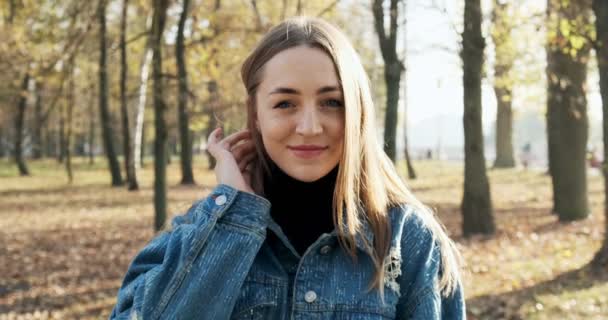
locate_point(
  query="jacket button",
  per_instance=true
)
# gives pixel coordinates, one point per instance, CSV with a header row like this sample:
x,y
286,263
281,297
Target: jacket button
x,y
310,296
325,249
220,200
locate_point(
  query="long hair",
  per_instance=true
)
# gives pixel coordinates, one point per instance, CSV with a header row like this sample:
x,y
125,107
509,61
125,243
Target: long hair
x,y
367,184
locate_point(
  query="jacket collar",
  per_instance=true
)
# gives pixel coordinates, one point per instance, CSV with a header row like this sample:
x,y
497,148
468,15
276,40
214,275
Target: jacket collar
x,y
364,233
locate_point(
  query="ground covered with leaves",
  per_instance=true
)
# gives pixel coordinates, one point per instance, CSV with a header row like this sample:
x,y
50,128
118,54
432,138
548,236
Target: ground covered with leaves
x,y
65,247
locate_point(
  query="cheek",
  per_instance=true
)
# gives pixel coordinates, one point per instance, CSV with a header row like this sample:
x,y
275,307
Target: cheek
x,y
337,128
274,130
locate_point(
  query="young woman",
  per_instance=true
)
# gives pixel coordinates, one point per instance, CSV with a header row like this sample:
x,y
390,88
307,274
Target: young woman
x,y
310,219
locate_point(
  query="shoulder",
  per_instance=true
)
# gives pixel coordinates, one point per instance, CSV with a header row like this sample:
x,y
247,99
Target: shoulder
x,y
415,246
411,227
417,235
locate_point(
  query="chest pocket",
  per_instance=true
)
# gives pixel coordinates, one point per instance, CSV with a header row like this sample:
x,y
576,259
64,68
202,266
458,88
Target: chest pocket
x,y
345,295
258,299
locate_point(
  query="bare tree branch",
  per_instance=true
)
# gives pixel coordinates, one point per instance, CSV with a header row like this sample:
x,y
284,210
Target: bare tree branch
x,y
258,16
328,8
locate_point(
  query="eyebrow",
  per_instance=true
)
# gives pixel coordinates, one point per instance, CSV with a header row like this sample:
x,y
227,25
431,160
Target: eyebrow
x,y
285,90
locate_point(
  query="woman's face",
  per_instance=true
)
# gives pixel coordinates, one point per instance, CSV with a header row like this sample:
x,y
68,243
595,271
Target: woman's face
x,y
300,112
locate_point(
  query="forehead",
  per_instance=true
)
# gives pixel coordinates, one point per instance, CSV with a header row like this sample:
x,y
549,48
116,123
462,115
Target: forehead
x,y
300,66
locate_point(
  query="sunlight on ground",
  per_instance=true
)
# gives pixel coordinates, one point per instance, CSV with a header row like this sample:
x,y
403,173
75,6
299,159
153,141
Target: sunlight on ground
x,y
68,246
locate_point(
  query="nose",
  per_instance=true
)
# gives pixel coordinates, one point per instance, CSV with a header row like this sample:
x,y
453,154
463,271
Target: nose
x,y
309,123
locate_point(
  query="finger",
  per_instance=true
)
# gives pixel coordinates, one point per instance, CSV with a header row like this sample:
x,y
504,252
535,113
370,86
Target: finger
x,y
243,149
213,139
246,161
232,139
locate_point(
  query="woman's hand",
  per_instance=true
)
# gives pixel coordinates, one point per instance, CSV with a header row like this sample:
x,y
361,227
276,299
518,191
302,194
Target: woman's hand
x,y
233,154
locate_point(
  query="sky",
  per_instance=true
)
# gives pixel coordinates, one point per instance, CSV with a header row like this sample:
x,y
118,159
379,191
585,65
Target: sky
x,y
434,85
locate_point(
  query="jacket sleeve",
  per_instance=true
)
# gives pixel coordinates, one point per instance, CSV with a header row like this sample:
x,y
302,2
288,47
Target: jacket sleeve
x,y
197,268
420,297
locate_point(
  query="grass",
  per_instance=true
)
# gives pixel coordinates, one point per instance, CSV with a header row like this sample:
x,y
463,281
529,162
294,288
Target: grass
x,y
66,246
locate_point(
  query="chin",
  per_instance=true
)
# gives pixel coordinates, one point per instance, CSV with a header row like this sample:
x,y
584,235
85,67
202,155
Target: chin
x,y
307,177
306,174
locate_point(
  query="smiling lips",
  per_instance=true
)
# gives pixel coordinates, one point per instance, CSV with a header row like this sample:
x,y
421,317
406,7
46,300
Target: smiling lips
x,y
307,151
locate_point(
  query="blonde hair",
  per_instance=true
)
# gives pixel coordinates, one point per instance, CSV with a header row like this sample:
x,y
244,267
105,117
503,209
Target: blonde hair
x,y
367,183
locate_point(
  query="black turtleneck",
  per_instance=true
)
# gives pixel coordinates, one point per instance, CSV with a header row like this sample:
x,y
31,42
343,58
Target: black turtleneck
x,y
301,209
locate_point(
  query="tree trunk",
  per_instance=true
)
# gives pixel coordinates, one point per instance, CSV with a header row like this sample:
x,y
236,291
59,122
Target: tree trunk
x,y
503,88
185,135
392,72
19,126
406,152
142,150
126,128
139,143
92,125
104,110
61,136
411,173
504,129
392,78
160,109
11,11
3,144
37,129
476,203
600,7
50,143
68,135
406,146
212,88
552,138
567,113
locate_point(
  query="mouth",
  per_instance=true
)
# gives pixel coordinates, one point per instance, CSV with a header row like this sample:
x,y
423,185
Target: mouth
x,y
307,151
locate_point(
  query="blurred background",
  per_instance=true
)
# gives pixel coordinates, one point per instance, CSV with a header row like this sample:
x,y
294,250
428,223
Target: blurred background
x,y
491,110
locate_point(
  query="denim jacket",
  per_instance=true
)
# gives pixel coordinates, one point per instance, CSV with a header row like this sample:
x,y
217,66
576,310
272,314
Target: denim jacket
x,y
227,259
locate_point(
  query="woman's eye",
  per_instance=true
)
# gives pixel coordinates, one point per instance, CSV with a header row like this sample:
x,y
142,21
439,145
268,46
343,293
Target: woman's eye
x,y
283,105
332,103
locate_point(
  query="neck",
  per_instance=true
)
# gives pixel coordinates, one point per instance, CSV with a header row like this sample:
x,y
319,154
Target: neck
x,y
303,210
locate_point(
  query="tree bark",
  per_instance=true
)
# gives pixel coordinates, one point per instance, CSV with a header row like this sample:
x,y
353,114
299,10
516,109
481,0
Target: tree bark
x,y
214,100
185,136
68,135
504,129
11,11
476,203
160,109
37,129
126,128
567,114
503,87
61,135
392,72
139,143
104,112
92,126
19,126
3,145
406,146
600,7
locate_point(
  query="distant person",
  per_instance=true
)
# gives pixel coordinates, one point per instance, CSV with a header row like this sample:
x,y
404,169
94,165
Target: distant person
x,y
301,193
526,155
429,154
593,159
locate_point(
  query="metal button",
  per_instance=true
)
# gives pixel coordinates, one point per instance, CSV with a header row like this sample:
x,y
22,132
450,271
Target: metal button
x,y
220,200
325,249
310,296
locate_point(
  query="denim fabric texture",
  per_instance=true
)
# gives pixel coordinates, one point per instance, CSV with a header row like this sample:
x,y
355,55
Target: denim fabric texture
x,y
227,259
